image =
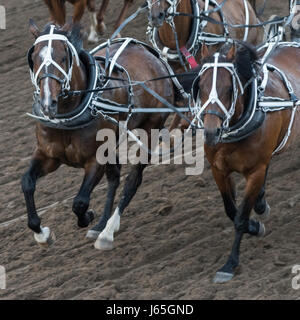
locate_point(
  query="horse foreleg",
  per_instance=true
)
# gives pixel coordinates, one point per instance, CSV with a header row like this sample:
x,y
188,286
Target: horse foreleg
x,y
127,4
93,174
57,11
133,181
227,189
99,18
113,177
40,166
79,8
243,224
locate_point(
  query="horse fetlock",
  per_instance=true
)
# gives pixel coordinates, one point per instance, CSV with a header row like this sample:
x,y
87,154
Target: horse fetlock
x,y
87,218
265,213
256,228
34,224
101,28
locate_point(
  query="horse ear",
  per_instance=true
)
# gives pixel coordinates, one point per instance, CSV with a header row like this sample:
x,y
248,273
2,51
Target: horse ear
x,y
231,53
204,51
34,29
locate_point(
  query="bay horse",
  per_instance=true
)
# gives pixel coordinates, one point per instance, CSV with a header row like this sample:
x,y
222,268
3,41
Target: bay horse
x,y
57,63
57,10
218,92
233,12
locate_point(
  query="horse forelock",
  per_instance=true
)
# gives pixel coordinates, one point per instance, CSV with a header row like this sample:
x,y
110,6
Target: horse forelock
x,y
244,60
74,35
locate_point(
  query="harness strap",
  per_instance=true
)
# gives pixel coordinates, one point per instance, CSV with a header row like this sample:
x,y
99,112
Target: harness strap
x,y
189,57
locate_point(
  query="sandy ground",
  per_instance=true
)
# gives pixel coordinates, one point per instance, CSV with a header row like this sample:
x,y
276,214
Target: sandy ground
x,y
174,235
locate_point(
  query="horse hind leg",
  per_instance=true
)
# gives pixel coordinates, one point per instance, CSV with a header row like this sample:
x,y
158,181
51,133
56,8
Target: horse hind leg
x,y
40,166
113,177
132,183
262,208
93,174
98,26
127,4
243,224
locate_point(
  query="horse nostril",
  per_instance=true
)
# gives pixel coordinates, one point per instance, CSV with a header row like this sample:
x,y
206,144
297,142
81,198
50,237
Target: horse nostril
x,y
53,103
161,15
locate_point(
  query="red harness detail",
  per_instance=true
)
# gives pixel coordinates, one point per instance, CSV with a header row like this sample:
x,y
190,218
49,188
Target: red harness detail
x,y
189,57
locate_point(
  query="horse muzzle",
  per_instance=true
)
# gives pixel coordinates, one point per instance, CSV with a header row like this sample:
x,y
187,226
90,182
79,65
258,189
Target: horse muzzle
x,y
157,20
49,108
212,136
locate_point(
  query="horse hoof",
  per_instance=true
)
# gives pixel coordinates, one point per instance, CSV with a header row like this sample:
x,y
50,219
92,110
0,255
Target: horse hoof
x,y
101,28
92,234
46,238
93,37
104,244
262,230
222,277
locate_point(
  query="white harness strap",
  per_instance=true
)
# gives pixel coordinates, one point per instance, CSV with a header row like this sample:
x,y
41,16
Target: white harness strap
x,y
213,97
247,20
48,60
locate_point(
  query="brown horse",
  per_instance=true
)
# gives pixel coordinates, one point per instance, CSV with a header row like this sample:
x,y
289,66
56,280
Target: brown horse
x,y
57,10
234,12
56,62
218,92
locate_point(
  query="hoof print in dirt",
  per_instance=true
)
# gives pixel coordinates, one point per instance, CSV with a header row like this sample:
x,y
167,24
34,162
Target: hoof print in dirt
x,y
165,210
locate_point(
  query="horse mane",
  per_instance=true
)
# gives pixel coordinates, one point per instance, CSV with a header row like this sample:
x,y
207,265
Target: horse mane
x,y
74,35
245,60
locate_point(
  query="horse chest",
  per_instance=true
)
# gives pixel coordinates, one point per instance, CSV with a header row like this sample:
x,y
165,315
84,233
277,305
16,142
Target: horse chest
x,y
71,149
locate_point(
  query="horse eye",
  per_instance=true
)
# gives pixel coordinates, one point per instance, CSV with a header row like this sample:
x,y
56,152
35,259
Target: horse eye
x,y
64,59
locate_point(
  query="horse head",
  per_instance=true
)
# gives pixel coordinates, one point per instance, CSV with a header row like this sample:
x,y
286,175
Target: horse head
x,y
51,61
218,88
159,10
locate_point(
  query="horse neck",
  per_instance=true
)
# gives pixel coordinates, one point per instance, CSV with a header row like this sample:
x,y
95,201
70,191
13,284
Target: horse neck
x,y
78,82
182,25
212,27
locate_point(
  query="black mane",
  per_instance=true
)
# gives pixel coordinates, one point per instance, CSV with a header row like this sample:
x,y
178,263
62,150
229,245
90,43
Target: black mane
x,y
245,59
74,36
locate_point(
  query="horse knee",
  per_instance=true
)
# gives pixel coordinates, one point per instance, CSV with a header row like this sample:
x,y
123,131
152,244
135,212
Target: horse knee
x,y
240,224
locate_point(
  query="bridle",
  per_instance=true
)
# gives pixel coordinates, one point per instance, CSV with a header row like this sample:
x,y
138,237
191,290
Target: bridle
x,y
170,12
48,60
200,110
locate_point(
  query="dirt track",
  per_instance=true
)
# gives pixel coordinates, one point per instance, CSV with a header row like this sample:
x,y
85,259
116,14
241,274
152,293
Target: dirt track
x,y
174,235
